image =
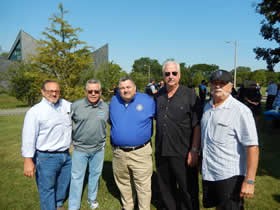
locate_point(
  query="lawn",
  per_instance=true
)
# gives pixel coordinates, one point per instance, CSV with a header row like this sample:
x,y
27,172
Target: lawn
x,y
20,193
7,101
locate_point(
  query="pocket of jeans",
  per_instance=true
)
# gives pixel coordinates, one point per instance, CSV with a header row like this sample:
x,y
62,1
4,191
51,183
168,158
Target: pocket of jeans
x,y
42,157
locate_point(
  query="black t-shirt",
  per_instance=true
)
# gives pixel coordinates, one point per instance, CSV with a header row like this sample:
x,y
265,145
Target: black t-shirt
x,y
175,120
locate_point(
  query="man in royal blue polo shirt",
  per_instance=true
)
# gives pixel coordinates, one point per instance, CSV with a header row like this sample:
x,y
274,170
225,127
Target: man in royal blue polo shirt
x,y
131,119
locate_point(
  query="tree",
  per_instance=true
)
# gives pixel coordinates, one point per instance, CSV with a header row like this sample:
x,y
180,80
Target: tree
x,y
62,55
242,74
270,31
145,65
109,76
25,82
4,54
204,71
259,76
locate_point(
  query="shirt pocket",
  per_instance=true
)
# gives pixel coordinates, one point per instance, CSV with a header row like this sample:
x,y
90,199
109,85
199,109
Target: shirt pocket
x,y
221,132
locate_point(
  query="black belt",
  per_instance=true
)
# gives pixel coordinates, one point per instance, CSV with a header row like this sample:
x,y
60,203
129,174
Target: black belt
x,y
52,152
129,149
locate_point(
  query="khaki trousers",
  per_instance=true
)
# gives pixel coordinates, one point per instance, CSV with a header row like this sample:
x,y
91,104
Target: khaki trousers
x,y
132,173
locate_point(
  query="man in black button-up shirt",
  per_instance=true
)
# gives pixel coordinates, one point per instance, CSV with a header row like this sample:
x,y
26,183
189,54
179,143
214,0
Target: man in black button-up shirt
x,y
177,141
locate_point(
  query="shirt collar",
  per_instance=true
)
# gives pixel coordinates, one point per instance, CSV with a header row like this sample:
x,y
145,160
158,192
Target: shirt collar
x,y
125,102
51,104
225,105
87,103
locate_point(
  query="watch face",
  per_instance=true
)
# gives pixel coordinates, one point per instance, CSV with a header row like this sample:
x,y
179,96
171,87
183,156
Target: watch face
x,y
250,181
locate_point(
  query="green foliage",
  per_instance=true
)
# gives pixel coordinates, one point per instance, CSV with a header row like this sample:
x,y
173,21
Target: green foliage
x,y
8,102
140,80
145,66
270,31
62,55
25,82
259,76
4,54
199,72
109,75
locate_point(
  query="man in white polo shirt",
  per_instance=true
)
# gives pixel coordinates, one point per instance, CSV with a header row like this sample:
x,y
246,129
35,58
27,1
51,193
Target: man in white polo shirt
x,y
229,146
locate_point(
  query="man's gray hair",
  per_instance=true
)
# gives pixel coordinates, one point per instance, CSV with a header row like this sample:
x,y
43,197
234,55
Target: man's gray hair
x,y
170,61
93,81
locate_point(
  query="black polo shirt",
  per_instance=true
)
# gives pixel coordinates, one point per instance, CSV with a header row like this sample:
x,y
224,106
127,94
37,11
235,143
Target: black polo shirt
x,y
176,117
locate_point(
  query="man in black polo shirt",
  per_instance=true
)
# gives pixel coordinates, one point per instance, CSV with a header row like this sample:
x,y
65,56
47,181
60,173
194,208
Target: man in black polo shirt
x,y
177,141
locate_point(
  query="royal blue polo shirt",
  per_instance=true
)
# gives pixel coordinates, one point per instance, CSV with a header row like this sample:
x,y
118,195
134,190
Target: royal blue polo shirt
x,y
131,123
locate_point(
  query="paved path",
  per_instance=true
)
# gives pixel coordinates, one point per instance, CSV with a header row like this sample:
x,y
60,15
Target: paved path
x,y
15,111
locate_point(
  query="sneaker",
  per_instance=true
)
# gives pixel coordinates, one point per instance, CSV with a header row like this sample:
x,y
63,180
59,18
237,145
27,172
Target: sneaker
x,y
93,205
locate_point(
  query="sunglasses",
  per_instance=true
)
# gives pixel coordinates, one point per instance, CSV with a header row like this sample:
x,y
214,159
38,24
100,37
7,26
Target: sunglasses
x,y
174,73
52,91
93,91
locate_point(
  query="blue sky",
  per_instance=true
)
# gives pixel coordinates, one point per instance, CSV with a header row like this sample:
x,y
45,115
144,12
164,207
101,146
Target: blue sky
x,y
189,31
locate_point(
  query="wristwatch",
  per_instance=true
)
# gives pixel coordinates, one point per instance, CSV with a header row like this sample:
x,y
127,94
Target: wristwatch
x,y
250,181
196,150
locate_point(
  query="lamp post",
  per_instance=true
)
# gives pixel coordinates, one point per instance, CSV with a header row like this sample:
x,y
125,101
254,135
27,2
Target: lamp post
x,y
149,72
235,59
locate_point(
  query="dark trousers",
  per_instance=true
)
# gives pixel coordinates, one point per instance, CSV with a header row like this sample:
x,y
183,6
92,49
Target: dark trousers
x,y
173,183
193,187
223,194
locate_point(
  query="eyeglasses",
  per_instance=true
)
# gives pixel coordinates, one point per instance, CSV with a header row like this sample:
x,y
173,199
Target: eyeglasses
x,y
93,91
174,73
52,91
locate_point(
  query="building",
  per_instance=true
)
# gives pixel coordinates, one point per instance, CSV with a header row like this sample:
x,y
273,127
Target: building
x,y
100,56
25,46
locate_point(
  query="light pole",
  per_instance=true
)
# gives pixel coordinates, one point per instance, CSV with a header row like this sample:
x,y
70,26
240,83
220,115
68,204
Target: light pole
x,y
235,59
149,72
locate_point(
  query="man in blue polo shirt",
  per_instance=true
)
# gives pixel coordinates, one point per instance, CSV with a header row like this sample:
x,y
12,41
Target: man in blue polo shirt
x,y
131,119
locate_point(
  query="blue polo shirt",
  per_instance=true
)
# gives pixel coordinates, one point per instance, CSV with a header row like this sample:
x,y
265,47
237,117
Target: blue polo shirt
x,y
131,123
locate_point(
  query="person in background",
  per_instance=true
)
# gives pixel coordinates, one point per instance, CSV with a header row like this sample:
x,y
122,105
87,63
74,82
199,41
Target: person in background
x,y
234,93
229,147
271,94
160,85
202,89
276,102
89,116
177,141
151,88
131,119
241,93
46,138
252,99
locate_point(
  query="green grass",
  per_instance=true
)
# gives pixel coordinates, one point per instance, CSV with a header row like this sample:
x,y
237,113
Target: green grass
x,y
20,193
7,101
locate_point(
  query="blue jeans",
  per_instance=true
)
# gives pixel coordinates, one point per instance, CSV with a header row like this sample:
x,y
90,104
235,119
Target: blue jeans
x,y
80,160
53,174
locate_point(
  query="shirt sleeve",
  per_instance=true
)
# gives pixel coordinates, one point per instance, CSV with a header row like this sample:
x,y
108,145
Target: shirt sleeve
x,y
29,134
247,134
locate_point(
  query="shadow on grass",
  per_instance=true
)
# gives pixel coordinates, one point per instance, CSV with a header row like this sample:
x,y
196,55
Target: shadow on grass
x,y
269,141
107,175
276,197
